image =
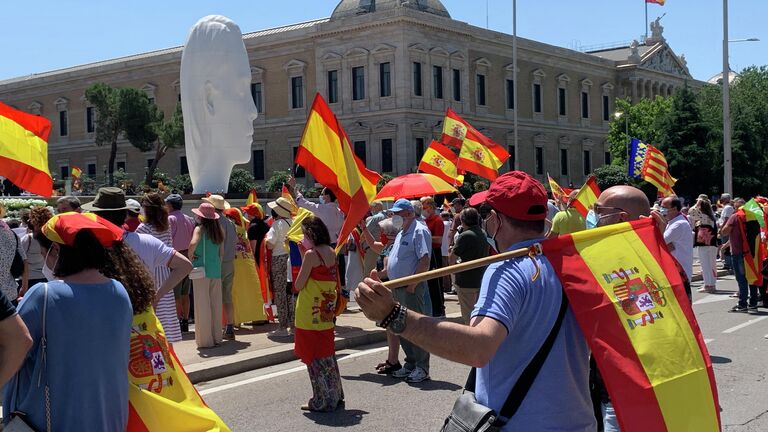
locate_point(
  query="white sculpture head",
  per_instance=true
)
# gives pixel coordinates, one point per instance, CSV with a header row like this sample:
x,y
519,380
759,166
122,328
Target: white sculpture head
x,y
217,103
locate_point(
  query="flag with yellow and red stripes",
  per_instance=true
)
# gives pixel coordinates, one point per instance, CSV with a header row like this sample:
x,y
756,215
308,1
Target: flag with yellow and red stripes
x,y
648,163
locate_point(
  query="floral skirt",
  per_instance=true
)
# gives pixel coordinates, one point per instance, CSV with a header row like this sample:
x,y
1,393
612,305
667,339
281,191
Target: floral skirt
x,y
326,384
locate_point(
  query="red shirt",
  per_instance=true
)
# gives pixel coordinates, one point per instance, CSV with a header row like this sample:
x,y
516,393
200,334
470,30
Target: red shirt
x,y
131,224
436,227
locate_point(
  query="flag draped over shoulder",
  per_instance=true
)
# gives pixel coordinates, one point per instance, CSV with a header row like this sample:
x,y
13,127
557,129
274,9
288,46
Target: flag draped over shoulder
x,y
628,299
441,161
587,196
751,219
160,393
479,154
647,163
24,150
326,153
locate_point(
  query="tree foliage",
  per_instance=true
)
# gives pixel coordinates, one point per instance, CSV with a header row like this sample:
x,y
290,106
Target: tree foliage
x,y
275,183
611,175
122,112
170,134
241,181
642,120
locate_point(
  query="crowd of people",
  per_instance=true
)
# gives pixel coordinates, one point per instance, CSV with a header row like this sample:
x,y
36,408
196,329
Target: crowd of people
x,y
227,266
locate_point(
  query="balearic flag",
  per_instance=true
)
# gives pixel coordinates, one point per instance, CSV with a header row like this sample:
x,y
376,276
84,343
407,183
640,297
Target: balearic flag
x,y
647,163
76,172
440,161
627,295
326,153
24,150
479,154
557,192
587,196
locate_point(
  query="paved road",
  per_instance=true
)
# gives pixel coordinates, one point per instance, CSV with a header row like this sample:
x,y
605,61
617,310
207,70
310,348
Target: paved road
x,y
269,399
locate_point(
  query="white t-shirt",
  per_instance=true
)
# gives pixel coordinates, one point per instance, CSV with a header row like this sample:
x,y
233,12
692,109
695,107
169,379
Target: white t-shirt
x,y
725,214
679,234
446,233
276,237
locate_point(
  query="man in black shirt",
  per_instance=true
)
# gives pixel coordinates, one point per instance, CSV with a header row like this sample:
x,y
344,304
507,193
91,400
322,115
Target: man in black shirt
x,y
257,228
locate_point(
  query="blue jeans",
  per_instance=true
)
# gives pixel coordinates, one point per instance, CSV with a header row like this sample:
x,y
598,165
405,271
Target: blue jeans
x,y
745,289
610,422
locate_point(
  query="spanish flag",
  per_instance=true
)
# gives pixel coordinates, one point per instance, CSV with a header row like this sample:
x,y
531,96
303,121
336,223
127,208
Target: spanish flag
x,y
587,196
326,153
479,154
24,150
557,192
658,2
252,198
648,163
76,172
441,161
627,295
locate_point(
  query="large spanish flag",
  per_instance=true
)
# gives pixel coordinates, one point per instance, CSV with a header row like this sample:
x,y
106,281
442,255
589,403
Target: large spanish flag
x,y
161,397
24,150
479,154
587,196
441,161
326,153
628,298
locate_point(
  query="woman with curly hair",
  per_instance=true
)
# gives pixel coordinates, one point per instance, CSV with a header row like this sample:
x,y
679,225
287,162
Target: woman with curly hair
x,y
156,224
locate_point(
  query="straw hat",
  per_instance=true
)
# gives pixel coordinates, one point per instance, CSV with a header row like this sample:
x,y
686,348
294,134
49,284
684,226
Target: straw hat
x,y
206,211
217,201
282,207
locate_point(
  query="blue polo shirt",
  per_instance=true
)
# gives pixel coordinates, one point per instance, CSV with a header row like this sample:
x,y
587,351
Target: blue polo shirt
x,y
409,246
559,399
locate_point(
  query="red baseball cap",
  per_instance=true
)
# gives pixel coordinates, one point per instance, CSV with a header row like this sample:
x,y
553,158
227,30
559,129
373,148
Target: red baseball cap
x,y
478,198
517,195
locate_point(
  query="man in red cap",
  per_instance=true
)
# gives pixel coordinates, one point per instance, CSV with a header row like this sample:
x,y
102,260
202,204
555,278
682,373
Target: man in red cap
x,y
521,306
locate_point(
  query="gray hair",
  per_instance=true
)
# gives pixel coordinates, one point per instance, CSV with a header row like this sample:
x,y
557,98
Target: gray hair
x,y
725,198
72,201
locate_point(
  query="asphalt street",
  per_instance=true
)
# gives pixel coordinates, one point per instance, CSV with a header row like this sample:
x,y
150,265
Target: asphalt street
x,y
269,399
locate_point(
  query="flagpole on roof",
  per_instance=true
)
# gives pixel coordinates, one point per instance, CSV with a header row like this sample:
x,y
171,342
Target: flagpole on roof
x,y
646,18
514,82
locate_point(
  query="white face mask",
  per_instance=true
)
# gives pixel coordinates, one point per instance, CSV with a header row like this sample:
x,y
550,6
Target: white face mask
x,y
322,199
47,271
397,222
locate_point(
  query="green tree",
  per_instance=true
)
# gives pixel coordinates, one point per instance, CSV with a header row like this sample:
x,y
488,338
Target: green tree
x,y
241,181
642,120
182,183
749,113
170,134
611,175
125,112
275,183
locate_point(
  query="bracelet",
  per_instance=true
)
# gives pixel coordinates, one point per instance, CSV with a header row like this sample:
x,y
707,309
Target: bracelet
x,y
392,315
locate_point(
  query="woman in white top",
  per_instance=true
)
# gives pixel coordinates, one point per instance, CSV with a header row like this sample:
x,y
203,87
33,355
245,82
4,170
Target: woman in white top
x,y
705,240
276,242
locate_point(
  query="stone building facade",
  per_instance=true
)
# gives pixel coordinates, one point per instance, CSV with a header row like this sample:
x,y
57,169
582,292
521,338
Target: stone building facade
x,y
389,69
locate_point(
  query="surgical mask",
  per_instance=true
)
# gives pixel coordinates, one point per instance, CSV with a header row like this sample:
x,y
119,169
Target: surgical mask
x,y
47,271
322,199
591,220
397,222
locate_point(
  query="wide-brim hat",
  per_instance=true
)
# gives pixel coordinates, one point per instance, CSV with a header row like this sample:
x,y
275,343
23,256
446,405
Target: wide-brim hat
x,y
282,207
107,199
217,201
206,211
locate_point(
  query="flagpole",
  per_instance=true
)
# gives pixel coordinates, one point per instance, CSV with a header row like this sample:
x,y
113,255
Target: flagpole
x,y
646,18
514,83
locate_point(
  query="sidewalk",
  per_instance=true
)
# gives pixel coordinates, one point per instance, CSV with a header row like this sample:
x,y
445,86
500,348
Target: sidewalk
x,y
253,349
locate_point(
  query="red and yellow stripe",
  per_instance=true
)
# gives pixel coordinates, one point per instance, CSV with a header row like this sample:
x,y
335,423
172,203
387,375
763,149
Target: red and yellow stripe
x,y
440,161
24,150
656,171
479,154
654,361
587,196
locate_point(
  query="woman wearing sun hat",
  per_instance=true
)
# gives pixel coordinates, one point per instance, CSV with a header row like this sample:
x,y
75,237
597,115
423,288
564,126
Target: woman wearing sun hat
x,y
205,251
84,318
276,242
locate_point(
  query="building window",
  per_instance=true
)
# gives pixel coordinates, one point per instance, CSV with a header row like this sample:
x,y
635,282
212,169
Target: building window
x,y
417,79
510,94
386,155
587,162
437,82
419,149
63,123
480,89
564,162
539,160
457,85
90,124
333,86
537,98
258,164
256,95
607,159
584,105
64,171
606,108
360,151
358,83
90,169
121,166
297,92
511,157
561,102
183,167
385,80
299,171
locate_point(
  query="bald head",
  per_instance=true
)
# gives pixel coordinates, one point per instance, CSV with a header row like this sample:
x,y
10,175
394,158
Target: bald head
x,y
630,199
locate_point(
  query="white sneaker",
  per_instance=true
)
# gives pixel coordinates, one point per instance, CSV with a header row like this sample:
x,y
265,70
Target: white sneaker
x,y
417,375
402,373
279,333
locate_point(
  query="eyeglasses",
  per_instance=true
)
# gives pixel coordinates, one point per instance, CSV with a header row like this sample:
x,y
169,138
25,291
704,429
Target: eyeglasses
x,y
605,211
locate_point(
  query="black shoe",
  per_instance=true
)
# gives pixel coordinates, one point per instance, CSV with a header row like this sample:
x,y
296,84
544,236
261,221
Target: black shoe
x,y
184,325
388,368
738,308
752,310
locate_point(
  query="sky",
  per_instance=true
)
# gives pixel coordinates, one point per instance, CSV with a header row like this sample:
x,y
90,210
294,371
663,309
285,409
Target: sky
x,y
48,35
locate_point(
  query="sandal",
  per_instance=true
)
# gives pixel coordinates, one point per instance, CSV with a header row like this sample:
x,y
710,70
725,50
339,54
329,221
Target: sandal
x,y
388,368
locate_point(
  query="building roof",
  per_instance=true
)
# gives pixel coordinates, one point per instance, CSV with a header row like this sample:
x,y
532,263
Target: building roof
x,y
620,53
347,8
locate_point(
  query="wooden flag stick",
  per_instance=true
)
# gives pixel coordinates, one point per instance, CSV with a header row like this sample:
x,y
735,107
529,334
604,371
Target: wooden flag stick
x,y
469,265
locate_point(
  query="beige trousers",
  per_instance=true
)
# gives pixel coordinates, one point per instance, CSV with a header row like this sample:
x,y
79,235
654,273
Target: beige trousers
x,y
467,299
208,312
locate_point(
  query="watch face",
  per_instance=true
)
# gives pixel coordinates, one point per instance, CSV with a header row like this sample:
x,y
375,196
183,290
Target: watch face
x,y
398,324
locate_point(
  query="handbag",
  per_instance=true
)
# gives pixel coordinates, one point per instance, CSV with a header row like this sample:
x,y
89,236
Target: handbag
x,y
18,422
17,266
199,271
468,415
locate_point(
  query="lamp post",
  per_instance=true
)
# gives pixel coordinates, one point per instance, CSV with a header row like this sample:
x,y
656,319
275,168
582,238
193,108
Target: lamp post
x,y
514,83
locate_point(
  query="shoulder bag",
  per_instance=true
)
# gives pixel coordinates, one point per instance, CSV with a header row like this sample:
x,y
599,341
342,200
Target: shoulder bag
x,y
17,266
470,416
199,271
18,422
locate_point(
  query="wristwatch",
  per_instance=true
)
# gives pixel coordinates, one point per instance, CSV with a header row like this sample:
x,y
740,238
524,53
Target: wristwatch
x,y
397,325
